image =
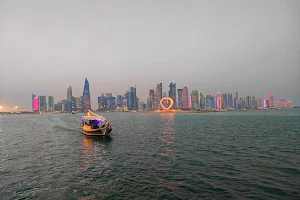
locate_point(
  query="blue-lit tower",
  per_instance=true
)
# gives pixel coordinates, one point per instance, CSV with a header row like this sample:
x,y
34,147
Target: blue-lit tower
x,y
86,96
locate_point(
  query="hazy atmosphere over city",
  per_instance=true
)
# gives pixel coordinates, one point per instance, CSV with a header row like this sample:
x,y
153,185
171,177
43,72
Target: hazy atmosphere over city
x,y
252,47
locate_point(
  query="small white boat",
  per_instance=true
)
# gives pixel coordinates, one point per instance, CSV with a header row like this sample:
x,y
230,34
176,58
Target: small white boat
x,y
95,125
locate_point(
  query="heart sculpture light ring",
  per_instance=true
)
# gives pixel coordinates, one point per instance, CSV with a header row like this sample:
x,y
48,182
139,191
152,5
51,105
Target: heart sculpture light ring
x,y
171,103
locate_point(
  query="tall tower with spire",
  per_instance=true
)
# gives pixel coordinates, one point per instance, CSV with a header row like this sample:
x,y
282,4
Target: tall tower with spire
x,y
86,105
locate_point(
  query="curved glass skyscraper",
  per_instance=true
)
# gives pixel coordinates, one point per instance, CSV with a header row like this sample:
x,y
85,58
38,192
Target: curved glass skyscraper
x,y
86,97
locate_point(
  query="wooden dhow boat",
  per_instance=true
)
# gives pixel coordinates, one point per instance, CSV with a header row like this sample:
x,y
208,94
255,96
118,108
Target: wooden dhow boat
x,y
95,125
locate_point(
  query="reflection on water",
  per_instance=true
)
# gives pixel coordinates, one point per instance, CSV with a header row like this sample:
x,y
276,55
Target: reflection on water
x,y
168,130
94,150
3,152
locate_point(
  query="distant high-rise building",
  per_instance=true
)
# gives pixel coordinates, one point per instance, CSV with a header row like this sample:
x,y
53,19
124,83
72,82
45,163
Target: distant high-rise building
x,y
195,100
151,97
289,104
180,99
218,94
219,103
149,104
235,99
42,103
69,99
172,94
135,103
265,104
130,99
230,100
101,103
50,103
119,101
260,103
73,104
248,101
32,101
253,102
159,94
185,98
79,103
224,98
271,101
201,99
86,96
36,103
155,105
63,105
58,107
210,102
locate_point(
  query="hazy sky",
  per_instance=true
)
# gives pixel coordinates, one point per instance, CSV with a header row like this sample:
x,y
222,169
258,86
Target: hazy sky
x,y
252,47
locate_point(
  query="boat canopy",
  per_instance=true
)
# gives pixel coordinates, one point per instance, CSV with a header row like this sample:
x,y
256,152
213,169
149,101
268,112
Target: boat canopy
x,y
93,118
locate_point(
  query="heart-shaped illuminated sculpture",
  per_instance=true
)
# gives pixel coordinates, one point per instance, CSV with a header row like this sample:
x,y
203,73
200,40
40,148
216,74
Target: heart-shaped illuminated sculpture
x,y
171,103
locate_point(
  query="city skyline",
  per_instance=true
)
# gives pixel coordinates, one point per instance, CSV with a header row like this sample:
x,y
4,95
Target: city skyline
x,y
248,46
190,93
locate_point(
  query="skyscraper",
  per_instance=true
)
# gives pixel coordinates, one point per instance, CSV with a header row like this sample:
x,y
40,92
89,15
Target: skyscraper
x,y
69,99
50,103
151,99
172,93
42,103
155,101
195,100
135,105
271,101
219,103
131,99
224,100
235,99
185,98
36,105
32,100
252,102
230,100
248,101
119,101
159,95
86,96
179,93
201,100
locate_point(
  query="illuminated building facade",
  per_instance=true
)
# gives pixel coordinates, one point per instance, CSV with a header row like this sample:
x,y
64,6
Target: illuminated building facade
x,y
235,99
172,93
36,103
151,99
271,101
219,103
201,100
155,104
159,94
86,96
185,98
50,103
224,100
42,103
230,100
195,100
180,99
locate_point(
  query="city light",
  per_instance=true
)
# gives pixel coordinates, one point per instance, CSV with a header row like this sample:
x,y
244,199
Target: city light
x,y
171,103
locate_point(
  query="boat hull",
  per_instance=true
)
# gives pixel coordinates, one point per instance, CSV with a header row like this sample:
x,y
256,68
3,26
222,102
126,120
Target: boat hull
x,y
95,133
99,132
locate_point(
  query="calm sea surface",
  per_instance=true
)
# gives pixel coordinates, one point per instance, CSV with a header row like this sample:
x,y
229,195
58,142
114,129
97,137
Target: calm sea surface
x,y
233,155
